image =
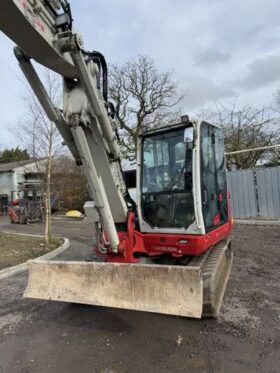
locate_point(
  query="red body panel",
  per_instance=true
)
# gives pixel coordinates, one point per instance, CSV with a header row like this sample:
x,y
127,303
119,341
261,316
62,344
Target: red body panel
x,y
177,245
13,215
154,244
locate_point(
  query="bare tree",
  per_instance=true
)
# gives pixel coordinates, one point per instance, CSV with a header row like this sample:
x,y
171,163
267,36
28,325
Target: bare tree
x,y
144,99
244,128
41,137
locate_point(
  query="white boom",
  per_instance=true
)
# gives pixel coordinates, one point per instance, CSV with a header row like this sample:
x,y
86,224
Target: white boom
x,y
43,31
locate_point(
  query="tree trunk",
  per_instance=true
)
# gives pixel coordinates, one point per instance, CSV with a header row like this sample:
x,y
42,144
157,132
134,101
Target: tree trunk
x,y
48,227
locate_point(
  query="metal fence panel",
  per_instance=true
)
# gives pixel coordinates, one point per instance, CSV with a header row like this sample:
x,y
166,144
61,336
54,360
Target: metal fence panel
x,y
268,186
243,193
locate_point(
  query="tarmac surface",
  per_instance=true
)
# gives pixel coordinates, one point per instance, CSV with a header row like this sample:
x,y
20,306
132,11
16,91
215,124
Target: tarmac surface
x,y
42,336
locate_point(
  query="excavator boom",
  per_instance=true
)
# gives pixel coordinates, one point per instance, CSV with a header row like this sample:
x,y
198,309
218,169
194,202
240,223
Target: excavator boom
x,y
32,26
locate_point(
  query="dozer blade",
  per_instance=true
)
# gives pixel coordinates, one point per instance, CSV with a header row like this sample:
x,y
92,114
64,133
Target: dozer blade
x,y
144,287
175,290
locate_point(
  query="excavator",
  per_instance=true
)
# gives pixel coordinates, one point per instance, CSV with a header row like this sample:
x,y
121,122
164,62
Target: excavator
x,y
170,251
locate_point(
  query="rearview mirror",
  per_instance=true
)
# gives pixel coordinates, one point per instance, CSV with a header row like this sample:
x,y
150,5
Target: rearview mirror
x,y
188,136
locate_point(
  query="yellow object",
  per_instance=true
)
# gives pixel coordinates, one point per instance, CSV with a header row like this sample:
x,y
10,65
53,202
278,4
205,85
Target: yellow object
x,y
74,214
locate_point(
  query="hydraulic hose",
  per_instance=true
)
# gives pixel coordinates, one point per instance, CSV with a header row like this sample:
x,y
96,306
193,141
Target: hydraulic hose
x,y
101,61
99,56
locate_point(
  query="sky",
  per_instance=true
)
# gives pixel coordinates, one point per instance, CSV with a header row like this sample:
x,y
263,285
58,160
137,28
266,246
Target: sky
x,y
216,49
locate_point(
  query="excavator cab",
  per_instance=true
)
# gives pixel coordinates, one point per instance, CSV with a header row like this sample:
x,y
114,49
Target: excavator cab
x,y
168,171
182,185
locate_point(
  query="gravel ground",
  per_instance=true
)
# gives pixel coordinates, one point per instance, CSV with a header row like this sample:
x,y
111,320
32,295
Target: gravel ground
x,y
41,336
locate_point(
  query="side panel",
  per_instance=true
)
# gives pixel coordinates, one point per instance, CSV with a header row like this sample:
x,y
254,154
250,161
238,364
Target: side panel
x,y
176,245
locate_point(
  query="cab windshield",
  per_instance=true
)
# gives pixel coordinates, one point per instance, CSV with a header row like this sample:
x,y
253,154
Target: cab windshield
x,y
166,188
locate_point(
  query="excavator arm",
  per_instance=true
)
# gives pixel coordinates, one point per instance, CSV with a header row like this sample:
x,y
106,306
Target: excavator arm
x,y
34,26
43,32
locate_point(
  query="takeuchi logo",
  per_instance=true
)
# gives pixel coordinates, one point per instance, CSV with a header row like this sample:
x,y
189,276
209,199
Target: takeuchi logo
x,y
31,16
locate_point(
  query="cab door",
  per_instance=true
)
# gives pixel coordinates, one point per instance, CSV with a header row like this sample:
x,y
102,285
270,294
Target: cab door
x,y
213,177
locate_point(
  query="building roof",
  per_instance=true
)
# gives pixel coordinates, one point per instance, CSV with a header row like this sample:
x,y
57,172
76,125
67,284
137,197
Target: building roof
x,y
9,167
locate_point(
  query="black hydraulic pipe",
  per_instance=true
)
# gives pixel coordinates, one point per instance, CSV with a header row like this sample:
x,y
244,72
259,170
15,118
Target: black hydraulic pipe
x,y
101,58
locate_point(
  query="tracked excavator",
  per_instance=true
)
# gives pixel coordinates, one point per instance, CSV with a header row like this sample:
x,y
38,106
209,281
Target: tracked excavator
x,y
170,251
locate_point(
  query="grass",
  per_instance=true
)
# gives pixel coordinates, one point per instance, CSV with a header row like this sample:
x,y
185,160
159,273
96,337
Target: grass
x,y
16,249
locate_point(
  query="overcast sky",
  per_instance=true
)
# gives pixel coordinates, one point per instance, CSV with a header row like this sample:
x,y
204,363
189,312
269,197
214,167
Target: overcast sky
x,y
217,48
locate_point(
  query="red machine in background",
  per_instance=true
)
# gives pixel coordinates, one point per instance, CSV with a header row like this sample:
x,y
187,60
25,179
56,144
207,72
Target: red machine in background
x,y
26,206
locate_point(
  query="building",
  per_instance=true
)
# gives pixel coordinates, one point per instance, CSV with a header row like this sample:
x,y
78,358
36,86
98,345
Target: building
x,y
15,175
